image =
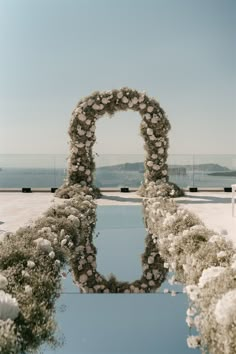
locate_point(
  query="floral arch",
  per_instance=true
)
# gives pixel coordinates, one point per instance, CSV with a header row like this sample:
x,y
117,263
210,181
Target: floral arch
x,y
154,128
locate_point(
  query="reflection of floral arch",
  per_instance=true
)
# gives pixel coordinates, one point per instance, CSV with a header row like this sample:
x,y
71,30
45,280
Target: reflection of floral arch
x,y
154,129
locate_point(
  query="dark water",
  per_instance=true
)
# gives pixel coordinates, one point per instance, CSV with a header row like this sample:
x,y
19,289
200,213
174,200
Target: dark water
x,y
119,323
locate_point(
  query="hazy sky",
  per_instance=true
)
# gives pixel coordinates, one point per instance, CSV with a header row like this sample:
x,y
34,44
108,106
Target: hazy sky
x,y
54,52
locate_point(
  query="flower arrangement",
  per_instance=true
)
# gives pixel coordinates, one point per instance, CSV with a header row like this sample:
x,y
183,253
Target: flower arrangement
x,y
206,263
154,128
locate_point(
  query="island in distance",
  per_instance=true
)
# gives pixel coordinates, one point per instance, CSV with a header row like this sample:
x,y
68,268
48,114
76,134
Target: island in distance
x,y
131,174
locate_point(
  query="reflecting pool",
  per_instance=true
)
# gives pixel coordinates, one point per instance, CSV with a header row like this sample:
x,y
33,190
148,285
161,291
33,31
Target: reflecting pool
x,y
121,323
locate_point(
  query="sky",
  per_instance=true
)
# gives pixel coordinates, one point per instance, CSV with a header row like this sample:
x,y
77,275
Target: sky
x,y
55,52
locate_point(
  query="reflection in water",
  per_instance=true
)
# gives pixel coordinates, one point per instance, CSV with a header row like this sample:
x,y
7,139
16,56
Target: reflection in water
x,y
107,324
90,280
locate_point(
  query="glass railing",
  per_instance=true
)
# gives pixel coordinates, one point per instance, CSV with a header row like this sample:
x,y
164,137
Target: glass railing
x,y
115,171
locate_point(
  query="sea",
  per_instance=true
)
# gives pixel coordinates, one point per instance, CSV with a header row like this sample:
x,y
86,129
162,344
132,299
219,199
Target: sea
x,y
46,171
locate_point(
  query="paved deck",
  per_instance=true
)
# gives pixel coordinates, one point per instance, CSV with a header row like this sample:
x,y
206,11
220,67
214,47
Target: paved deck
x,y
214,208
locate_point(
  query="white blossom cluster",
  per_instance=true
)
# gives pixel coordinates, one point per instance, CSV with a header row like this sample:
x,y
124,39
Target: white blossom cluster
x,y
206,263
154,129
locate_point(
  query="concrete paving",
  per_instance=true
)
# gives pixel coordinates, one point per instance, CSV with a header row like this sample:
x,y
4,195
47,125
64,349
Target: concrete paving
x,y
214,208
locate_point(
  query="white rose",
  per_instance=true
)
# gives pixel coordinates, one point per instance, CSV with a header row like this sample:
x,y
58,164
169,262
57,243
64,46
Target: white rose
x,y
152,137
28,289
105,100
150,109
120,94
130,104
63,242
93,128
164,172
87,172
90,102
52,255
89,134
161,151
81,132
134,100
81,168
141,99
125,99
154,156
95,106
158,144
80,145
149,131
88,121
147,116
30,264
82,117
142,105
149,163
156,167
154,120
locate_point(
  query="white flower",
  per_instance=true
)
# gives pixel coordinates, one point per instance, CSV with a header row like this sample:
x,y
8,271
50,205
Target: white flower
x,y
161,151
142,105
156,167
43,244
57,262
3,282
63,242
90,102
150,109
152,137
164,172
193,341
165,291
52,254
30,264
154,120
81,168
120,94
82,117
88,121
225,310
192,291
80,145
221,254
83,278
209,274
147,116
125,99
25,274
89,134
150,260
9,308
28,289
149,163
104,100
154,156
166,265
135,100
96,106
130,104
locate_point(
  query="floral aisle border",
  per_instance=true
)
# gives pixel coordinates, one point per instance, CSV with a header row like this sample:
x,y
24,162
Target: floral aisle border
x,y
154,128
31,262
206,262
